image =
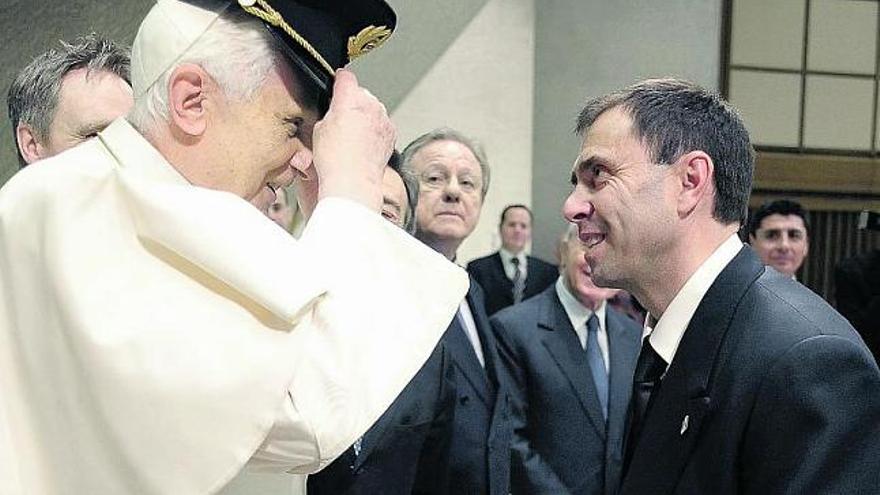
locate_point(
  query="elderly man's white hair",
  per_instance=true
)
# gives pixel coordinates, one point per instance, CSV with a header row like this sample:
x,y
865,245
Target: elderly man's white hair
x,y
230,45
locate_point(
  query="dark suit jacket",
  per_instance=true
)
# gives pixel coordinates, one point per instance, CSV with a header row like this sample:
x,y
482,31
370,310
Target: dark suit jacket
x,y
479,456
407,449
489,273
770,391
560,440
858,296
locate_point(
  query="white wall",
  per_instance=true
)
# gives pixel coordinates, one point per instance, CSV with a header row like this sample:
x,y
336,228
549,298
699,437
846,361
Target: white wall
x,y
483,86
584,49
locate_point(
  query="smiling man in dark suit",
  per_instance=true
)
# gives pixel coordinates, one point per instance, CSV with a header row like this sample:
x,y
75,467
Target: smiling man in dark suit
x,y
509,275
453,177
747,382
570,359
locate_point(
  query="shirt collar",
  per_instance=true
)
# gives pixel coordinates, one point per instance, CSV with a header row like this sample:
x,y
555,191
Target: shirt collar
x,y
577,313
506,256
666,333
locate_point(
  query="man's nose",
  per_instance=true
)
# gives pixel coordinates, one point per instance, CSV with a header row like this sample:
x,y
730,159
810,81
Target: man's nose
x,y
452,191
577,206
785,242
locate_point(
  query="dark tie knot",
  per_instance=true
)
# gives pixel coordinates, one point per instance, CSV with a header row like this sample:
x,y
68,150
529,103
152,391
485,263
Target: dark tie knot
x,y
650,366
515,261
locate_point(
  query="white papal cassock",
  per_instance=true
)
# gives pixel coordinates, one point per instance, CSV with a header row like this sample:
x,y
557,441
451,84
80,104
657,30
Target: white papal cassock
x,y
155,336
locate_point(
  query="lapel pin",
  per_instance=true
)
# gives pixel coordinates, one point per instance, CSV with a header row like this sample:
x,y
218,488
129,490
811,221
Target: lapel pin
x,y
684,424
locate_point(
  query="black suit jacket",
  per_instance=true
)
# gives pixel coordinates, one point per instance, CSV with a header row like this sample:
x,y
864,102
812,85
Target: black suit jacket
x,y
770,391
407,449
561,443
489,273
479,456
858,296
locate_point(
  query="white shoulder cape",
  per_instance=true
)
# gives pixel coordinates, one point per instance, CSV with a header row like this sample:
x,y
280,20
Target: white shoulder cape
x,y
150,330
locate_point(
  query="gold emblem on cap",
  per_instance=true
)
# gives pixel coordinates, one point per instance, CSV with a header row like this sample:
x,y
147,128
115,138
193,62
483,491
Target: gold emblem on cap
x,y
366,40
273,17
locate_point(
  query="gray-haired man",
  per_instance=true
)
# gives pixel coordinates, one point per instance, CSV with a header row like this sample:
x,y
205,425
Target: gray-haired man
x,y
67,94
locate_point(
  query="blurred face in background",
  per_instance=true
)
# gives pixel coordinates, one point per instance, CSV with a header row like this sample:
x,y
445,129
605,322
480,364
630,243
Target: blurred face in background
x,y
281,212
87,103
781,242
577,275
395,205
516,229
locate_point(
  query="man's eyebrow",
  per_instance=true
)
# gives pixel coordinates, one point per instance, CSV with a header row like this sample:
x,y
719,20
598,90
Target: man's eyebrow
x,y
391,202
89,128
582,165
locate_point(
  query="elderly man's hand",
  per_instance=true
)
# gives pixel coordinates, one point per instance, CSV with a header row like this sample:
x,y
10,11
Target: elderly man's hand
x,y
352,144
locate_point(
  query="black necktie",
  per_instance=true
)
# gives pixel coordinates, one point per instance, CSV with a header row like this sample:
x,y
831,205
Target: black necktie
x,y
646,380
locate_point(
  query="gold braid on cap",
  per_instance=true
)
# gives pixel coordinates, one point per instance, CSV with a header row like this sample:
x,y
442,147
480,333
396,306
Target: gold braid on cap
x,y
270,15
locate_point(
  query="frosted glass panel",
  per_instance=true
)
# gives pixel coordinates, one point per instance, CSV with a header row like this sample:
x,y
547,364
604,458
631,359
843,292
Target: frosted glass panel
x,y
838,113
768,33
770,105
842,36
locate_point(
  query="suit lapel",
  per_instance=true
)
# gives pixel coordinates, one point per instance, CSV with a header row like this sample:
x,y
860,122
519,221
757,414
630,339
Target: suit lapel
x,y
623,351
462,351
498,272
372,437
684,400
563,345
477,302
530,277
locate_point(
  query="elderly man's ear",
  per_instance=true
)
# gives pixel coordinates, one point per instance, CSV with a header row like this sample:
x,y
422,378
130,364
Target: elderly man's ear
x,y
192,94
30,148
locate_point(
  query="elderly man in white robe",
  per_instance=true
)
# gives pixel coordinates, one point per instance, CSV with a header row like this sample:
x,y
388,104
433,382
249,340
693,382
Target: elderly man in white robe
x,y
151,340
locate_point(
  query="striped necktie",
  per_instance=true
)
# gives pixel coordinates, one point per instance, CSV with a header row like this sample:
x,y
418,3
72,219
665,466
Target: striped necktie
x,y
519,282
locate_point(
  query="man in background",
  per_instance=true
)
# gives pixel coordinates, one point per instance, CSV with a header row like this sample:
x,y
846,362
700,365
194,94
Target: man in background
x,y
779,233
509,275
67,95
570,358
453,177
407,450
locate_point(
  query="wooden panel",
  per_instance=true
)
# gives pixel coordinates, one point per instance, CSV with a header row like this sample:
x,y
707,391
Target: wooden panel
x,y
835,176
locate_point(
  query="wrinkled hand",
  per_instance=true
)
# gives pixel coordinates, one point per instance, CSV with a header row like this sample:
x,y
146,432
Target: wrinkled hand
x,y
352,144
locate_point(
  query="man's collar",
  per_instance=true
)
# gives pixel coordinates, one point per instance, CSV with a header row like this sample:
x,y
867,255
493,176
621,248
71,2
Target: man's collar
x,y
577,313
506,256
666,333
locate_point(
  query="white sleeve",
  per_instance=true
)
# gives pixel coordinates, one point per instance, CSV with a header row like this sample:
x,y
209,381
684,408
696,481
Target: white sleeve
x,y
363,340
291,445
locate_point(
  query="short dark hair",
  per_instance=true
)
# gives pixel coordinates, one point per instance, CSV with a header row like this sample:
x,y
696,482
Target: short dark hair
x,y
33,95
783,207
509,207
411,185
671,117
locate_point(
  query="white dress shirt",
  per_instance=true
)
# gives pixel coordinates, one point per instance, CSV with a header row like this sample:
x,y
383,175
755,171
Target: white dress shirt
x,y
466,318
510,268
666,333
578,314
